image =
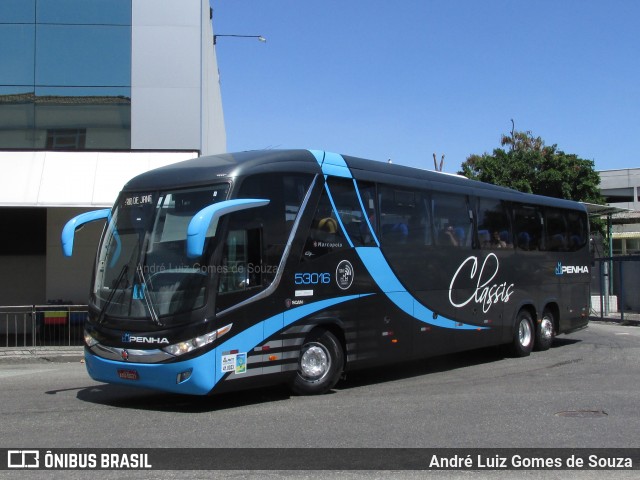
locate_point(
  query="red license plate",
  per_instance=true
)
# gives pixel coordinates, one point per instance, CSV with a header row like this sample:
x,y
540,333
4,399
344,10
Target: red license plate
x,y
128,374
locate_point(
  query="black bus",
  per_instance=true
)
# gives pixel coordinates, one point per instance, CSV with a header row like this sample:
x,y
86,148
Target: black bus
x,y
241,269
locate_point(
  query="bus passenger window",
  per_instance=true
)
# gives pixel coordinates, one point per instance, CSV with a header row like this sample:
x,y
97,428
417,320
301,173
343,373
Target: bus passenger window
x,y
578,228
493,225
527,227
349,208
557,239
451,220
325,234
404,217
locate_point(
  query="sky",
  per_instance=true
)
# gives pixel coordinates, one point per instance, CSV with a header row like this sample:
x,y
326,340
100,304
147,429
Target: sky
x,y
404,79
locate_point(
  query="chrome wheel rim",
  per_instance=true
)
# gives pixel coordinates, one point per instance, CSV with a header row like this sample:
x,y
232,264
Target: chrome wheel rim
x,y
524,333
546,327
315,362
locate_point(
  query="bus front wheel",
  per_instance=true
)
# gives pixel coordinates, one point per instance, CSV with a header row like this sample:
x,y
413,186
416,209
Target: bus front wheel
x,y
319,365
523,335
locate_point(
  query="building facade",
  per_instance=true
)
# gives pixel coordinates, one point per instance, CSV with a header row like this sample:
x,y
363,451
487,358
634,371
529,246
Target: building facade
x,y
92,93
621,188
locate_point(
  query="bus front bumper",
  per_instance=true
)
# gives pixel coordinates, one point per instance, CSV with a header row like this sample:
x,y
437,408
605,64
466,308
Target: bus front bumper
x,y
194,376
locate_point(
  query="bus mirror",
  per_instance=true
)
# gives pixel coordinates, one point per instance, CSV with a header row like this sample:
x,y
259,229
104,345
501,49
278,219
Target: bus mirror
x,y
69,230
209,216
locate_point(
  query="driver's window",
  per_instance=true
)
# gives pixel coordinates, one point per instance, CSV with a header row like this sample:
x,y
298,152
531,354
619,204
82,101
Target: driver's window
x,y
241,268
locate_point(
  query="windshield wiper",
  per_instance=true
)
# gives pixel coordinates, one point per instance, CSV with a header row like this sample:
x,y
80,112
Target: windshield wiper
x,y
147,301
125,269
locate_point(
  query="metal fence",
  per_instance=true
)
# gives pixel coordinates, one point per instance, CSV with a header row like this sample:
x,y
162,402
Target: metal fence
x,y
615,288
42,325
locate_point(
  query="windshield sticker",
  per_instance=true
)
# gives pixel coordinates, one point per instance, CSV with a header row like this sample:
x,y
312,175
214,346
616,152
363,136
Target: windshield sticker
x,y
234,362
486,293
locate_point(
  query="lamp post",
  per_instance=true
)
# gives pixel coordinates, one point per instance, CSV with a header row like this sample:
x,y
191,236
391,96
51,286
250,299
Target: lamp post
x,y
259,37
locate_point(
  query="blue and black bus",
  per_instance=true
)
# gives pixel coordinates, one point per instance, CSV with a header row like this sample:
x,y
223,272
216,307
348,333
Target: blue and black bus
x,y
235,270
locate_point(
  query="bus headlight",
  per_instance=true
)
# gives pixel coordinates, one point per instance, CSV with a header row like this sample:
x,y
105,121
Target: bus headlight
x,y
187,346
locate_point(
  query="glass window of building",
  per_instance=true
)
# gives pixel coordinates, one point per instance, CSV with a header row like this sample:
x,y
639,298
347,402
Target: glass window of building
x,y
66,77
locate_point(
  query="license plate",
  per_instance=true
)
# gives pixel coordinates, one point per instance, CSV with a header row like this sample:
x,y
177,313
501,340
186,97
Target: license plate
x,y
128,374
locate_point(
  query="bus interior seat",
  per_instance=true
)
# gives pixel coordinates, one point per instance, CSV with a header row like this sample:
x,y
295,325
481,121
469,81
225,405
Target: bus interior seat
x,y
484,238
524,241
460,235
395,232
505,236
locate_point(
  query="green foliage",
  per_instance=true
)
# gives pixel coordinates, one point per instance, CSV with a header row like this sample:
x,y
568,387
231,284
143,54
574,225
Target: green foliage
x,y
532,167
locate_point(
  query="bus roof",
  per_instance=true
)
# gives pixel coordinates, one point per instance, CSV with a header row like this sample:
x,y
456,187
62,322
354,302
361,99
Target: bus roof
x,y
217,168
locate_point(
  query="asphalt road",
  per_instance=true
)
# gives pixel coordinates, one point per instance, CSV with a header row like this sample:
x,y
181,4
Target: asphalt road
x,y
471,400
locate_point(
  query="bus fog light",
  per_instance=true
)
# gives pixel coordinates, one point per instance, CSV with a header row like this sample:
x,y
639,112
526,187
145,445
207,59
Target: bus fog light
x,y
183,376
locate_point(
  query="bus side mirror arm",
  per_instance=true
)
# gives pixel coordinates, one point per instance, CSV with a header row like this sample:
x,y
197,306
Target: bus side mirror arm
x,y
209,216
69,230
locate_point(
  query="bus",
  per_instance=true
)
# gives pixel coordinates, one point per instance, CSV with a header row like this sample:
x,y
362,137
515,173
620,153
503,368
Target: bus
x,y
296,266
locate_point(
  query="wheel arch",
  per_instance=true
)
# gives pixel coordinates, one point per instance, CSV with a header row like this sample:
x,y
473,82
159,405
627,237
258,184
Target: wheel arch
x,y
529,307
333,325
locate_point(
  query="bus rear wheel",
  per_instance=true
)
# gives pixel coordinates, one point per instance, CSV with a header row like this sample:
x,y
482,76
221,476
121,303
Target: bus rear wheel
x,y
545,331
523,335
319,365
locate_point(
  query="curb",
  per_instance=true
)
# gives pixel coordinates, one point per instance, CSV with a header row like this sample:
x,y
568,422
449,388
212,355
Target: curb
x,y
41,355
617,321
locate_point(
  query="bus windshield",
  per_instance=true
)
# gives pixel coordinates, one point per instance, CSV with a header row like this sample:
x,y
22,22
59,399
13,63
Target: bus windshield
x,y
143,269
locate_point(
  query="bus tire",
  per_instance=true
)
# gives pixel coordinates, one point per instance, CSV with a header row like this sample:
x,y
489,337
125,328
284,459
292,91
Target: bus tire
x,y
319,365
523,335
545,331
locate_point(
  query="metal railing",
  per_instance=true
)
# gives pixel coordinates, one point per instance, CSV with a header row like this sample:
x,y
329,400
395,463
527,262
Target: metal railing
x,y
615,283
42,325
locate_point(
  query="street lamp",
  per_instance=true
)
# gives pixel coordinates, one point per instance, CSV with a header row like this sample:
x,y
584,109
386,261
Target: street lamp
x,y
259,37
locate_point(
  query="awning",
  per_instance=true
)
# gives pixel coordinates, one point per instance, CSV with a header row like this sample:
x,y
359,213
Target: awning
x,y
74,179
618,215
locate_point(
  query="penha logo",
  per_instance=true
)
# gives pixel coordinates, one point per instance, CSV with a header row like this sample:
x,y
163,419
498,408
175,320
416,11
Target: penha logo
x,y
569,269
128,338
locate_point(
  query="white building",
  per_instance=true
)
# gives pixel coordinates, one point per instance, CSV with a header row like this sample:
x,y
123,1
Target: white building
x,y
92,93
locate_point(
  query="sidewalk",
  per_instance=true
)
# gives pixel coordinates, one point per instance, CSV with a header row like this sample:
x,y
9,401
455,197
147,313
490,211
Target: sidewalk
x,y
632,319
41,354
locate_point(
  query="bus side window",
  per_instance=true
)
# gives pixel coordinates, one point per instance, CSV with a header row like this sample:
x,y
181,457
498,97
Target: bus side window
x,y
395,206
556,238
493,225
451,220
325,235
527,227
578,228
346,200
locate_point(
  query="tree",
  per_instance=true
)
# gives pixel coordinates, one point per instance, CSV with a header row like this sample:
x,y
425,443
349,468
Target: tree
x,y
532,167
